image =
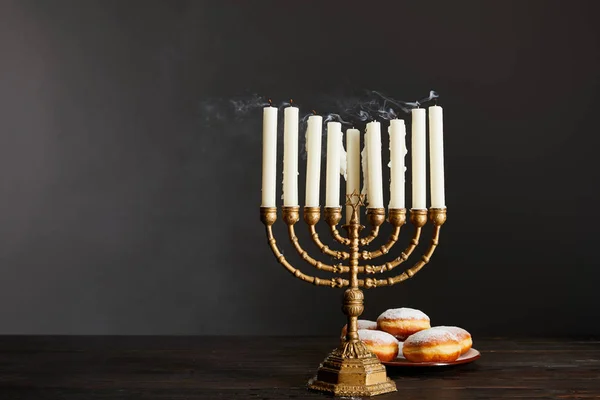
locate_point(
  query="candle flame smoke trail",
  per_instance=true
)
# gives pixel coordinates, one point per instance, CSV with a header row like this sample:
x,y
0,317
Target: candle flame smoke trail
x,y
244,106
350,110
332,117
363,115
432,96
387,115
405,106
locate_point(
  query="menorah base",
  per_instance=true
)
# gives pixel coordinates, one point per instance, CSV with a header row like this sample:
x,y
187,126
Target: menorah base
x,y
341,376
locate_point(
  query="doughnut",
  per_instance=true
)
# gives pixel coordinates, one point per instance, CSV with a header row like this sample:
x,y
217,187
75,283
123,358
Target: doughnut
x,y
362,324
403,322
432,345
382,344
462,335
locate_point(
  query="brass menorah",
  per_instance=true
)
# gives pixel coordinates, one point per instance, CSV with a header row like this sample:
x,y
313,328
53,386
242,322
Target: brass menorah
x,y
351,369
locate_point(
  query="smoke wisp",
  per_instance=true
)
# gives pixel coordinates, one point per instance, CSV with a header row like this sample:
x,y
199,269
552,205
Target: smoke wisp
x,y
348,110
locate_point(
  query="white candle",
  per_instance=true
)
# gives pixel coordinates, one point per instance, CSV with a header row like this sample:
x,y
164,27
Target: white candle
x,y
290,157
436,156
313,160
353,166
269,166
374,165
419,165
397,132
365,169
334,153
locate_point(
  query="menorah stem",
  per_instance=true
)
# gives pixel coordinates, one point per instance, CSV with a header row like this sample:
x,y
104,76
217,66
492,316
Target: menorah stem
x,y
354,238
353,299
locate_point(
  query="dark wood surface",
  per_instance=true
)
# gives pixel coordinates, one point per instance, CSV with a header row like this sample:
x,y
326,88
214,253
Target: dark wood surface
x,y
178,368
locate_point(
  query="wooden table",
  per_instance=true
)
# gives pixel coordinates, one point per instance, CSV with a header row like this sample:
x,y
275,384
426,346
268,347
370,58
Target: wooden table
x,y
187,367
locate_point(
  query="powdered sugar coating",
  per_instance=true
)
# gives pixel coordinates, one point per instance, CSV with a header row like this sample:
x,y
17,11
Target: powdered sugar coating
x,y
366,324
456,330
376,337
437,334
403,313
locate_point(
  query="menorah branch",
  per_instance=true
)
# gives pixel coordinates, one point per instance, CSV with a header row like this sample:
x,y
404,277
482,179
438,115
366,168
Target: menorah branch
x,y
312,215
418,218
397,218
333,215
291,217
376,217
438,218
268,216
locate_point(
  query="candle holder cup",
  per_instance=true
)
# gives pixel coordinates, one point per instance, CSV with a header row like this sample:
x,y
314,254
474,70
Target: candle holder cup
x,y
351,369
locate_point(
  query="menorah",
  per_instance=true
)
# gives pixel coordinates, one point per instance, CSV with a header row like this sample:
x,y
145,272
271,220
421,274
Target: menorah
x,y
351,369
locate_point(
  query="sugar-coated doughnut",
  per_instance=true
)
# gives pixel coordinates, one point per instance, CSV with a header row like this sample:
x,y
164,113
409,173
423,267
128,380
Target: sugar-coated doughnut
x,y
432,345
462,335
362,324
403,322
382,344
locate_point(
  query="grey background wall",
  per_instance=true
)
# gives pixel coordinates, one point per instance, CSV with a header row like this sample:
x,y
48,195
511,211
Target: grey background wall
x,y
129,189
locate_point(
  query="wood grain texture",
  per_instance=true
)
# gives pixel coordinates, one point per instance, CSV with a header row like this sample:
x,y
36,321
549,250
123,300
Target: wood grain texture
x,y
187,367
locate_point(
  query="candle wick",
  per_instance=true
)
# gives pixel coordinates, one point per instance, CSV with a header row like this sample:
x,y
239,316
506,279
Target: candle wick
x,y
291,102
314,112
270,102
